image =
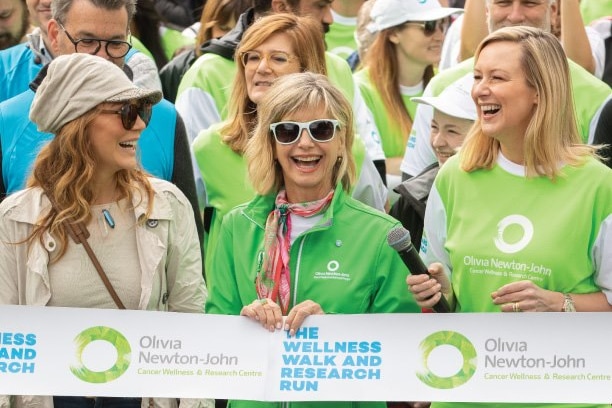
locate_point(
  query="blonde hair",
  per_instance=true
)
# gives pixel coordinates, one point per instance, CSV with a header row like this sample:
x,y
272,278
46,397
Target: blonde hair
x,y
307,40
290,94
552,135
65,168
381,59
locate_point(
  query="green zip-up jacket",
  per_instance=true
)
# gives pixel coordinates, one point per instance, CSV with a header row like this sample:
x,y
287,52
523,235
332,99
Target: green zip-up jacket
x,y
343,263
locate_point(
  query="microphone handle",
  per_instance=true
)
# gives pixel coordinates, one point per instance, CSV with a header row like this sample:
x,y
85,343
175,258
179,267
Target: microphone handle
x,y
442,306
416,267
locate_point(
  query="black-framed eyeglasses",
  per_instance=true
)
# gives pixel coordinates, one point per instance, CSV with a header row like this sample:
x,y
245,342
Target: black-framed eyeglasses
x,y
129,113
430,27
114,48
320,130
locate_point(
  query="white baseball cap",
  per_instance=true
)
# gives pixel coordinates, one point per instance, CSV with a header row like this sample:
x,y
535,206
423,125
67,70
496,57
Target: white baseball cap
x,y
391,13
456,99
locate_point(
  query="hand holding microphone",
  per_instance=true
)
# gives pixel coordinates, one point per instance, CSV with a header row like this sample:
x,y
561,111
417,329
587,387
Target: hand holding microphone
x,y
399,239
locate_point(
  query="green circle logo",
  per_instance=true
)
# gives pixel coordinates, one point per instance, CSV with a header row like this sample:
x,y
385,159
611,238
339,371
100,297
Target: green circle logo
x,y
112,336
461,343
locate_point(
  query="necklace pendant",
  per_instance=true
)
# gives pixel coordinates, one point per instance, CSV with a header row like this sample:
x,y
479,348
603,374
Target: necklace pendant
x,y
108,218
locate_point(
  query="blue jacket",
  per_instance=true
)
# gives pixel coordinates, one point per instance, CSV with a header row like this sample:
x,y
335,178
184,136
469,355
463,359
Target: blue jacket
x,y
21,141
18,67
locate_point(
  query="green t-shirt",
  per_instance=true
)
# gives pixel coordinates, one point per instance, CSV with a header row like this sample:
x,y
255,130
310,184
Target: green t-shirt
x,y
340,39
393,141
497,227
204,91
493,227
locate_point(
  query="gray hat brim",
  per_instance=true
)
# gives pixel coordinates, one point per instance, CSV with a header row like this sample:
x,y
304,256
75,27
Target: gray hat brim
x,y
140,94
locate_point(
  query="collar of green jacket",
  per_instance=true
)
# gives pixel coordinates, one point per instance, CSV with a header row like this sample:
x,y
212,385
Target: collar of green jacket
x,y
259,208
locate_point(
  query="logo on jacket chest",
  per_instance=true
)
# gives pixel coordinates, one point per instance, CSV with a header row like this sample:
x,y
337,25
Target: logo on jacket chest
x,y
333,272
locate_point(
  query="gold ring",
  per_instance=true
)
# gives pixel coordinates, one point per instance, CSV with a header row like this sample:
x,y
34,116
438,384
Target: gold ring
x,y
263,301
516,307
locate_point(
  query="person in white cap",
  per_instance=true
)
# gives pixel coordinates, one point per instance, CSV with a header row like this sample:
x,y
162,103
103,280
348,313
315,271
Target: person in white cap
x,y
141,230
398,65
454,115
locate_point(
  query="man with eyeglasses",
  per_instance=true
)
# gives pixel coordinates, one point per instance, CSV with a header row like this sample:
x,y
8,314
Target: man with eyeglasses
x,y
590,94
19,64
115,49
101,29
204,91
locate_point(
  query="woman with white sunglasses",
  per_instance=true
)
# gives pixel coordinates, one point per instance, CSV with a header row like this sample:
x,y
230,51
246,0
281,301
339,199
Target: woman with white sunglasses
x,y
303,246
276,45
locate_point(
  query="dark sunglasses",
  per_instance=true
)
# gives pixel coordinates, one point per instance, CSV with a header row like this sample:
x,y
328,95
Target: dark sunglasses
x,y
430,27
129,113
320,130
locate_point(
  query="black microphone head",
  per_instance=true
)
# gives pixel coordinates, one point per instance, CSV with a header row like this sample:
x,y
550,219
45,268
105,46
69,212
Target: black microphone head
x,y
399,239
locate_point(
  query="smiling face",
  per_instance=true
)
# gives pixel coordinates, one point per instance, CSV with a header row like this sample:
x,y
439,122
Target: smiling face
x,y
260,74
532,13
415,47
114,147
308,165
505,102
447,134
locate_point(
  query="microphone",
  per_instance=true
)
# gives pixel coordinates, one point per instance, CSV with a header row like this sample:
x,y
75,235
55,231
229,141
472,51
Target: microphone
x,y
399,239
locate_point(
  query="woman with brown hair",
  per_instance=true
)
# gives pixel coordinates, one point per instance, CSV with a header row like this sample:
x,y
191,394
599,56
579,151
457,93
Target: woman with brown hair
x,y
398,65
92,229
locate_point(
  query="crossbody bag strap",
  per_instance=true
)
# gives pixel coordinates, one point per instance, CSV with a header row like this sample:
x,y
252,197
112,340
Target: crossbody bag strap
x,y
79,234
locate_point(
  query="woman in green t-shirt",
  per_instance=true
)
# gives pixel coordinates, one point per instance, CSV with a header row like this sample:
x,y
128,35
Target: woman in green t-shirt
x,y
398,65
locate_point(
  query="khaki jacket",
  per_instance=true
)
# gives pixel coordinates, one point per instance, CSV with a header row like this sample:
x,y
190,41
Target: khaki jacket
x,y
168,253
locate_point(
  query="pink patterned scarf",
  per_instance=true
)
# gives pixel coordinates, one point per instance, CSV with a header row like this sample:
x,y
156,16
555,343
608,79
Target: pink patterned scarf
x,y
274,277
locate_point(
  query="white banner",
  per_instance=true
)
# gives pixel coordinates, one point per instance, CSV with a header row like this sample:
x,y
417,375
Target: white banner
x,y
519,357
